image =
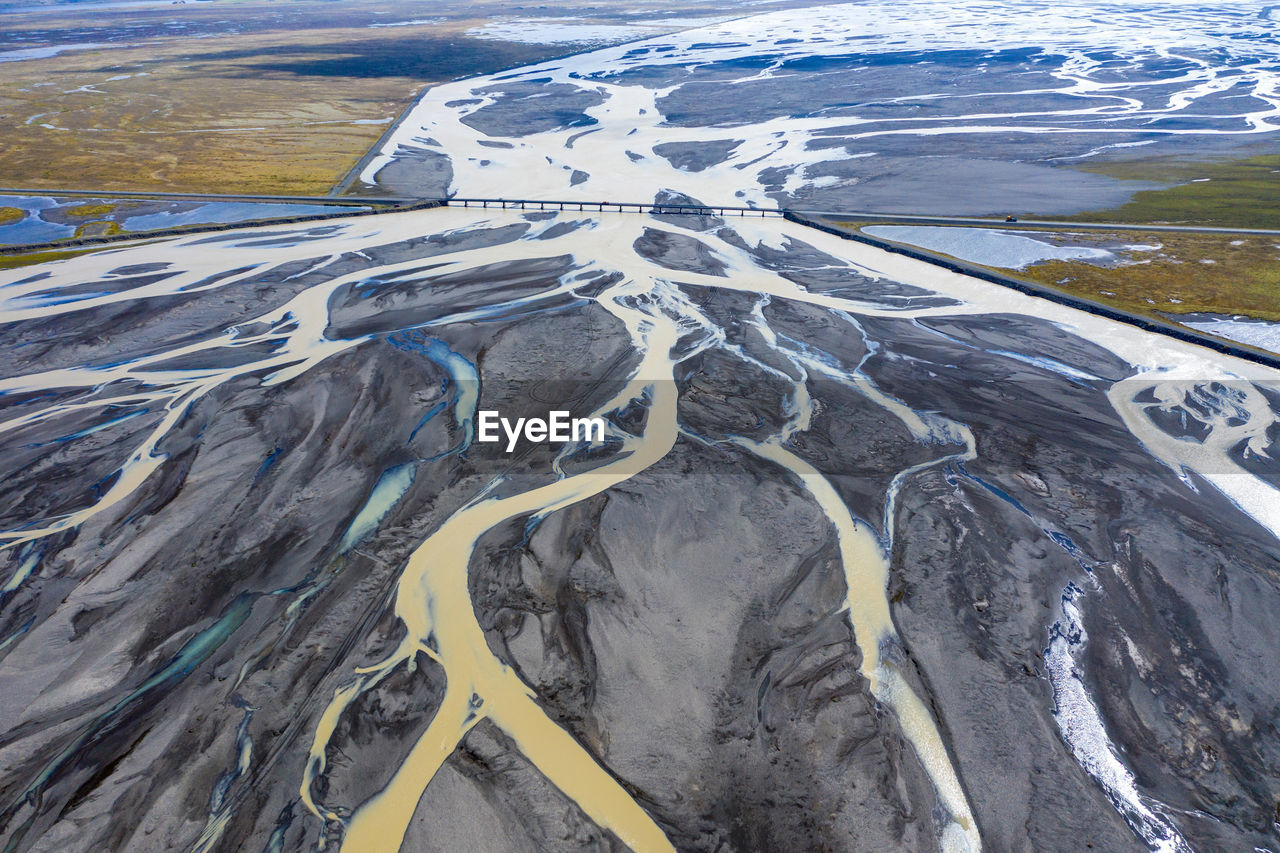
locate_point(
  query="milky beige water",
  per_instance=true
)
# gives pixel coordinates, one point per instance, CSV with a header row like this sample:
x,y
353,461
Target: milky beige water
x,y
432,597
433,601
866,571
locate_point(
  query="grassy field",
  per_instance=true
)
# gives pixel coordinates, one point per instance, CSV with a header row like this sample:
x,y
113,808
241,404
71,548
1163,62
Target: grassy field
x,y
1237,193
236,96
99,228
249,96
1188,273
286,111
86,210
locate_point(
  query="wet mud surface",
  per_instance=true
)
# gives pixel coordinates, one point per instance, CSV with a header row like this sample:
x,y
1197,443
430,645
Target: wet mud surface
x,y
213,518
872,555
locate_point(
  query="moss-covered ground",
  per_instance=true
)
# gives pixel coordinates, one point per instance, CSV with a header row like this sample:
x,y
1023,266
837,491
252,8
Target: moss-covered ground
x,y
99,228
26,259
1189,272
279,112
250,96
84,211
1234,193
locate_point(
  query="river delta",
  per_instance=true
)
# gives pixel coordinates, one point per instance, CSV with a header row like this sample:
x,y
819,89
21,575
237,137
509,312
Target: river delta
x,y
872,555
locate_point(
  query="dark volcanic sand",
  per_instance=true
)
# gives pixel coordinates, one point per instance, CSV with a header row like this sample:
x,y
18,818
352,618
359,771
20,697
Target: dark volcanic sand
x,y
688,627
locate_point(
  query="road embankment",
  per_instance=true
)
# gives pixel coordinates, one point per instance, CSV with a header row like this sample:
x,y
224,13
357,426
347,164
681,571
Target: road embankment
x,y
1149,324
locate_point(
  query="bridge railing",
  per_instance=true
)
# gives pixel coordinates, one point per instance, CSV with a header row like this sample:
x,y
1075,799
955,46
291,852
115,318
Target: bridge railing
x,y
613,207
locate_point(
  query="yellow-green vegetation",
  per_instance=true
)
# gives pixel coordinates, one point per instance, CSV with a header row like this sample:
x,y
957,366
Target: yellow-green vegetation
x,y
10,215
84,211
249,96
1237,193
8,262
283,108
1188,273
1214,273
100,228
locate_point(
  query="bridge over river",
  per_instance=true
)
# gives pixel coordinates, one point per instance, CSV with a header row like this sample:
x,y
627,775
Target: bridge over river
x,y
828,221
